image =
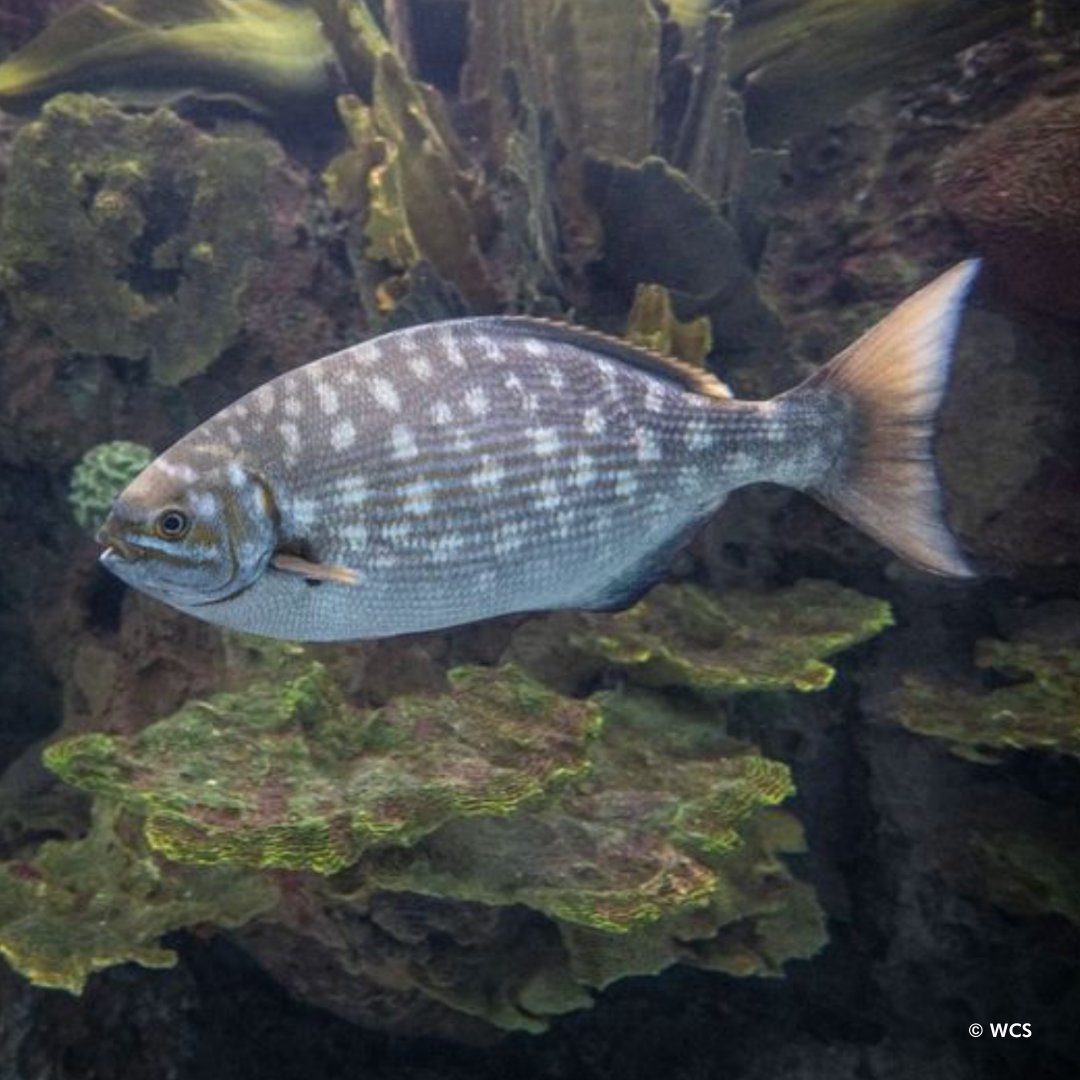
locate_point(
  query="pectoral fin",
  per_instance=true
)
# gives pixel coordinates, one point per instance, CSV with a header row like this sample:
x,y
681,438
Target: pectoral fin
x,y
294,564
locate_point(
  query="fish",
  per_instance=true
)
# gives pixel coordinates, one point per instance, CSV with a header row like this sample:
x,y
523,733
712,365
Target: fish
x,y
461,470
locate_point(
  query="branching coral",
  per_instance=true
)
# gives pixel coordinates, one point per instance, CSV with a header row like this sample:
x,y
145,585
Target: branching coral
x,y
101,474
134,235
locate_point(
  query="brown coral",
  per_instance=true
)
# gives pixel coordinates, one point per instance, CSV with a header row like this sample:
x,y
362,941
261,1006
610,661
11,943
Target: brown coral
x,y
1015,186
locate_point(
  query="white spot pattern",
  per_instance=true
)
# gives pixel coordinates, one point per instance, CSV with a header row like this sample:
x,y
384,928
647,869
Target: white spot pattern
x,y
546,440
343,434
328,399
421,367
384,393
441,413
403,443
476,401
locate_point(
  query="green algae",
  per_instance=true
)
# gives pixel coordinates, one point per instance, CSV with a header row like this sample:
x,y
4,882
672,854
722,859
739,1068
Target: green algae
x,y
805,61
1038,711
687,637
287,774
101,474
261,51
79,906
134,235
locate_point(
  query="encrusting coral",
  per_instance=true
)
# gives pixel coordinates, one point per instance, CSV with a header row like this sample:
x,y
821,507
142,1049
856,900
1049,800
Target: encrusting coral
x,y
79,906
101,474
631,829
134,235
1040,710
286,774
690,638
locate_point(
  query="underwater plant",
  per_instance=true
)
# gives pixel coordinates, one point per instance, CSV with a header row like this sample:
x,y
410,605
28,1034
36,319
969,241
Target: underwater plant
x,y
264,52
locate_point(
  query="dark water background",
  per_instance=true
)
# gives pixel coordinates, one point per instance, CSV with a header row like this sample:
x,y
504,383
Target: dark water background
x,y
876,151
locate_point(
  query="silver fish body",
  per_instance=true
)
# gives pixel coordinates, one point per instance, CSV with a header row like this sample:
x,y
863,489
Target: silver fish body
x,y
467,469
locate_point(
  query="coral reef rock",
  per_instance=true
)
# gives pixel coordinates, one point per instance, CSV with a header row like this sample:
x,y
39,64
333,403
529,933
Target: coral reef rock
x,y
134,235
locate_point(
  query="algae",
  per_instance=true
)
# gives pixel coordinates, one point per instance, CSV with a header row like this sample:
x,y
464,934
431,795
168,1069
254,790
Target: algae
x,y
100,475
134,235
263,52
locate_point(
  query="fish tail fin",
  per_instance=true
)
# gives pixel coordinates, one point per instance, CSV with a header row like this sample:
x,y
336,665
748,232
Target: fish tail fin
x,y
884,480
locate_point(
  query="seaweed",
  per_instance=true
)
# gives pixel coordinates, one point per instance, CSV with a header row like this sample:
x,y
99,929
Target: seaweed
x,y
263,52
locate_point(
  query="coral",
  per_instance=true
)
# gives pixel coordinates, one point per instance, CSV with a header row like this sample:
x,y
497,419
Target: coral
x,y
134,235
79,906
286,774
687,637
643,836
551,844
260,51
563,56
1040,710
1015,186
101,474
653,324
409,181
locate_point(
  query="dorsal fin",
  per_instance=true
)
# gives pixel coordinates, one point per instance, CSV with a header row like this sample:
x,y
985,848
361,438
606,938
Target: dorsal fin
x,y
695,379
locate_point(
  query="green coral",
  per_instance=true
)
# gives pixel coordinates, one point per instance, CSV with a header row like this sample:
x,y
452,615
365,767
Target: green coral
x,y
688,637
642,836
1039,711
101,474
260,50
134,235
287,774
83,905
413,197
636,830
653,324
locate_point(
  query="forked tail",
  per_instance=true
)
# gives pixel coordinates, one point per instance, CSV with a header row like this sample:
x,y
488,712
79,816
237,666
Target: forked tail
x,y
893,379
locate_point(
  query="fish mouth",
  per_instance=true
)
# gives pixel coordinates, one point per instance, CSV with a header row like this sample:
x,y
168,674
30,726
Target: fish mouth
x,y
115,548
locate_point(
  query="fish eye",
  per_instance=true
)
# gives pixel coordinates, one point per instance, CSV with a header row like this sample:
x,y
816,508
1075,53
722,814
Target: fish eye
x,y
172,524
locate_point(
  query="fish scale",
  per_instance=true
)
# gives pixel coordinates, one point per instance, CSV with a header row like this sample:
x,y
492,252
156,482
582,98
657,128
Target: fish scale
x,y
456,471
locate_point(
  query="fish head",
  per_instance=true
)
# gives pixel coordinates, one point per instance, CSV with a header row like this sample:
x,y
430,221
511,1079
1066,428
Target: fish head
x,y
191,529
